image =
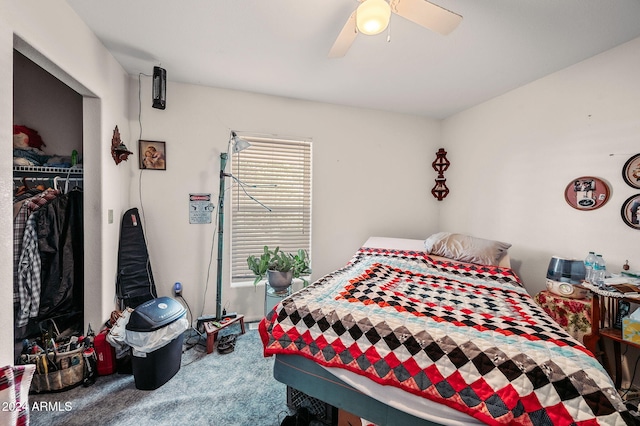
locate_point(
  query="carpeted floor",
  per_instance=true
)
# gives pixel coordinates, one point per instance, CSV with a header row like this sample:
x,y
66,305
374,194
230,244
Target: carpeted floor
x,y
236,389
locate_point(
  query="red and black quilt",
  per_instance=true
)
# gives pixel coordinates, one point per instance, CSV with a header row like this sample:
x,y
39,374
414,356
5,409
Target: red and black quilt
x,y
467,336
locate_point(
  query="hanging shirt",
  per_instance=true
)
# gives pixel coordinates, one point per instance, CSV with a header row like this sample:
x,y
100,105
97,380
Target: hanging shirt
x,y
29,206
29,267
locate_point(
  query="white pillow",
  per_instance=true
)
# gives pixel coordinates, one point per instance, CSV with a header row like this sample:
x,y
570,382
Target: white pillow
x,y
465,248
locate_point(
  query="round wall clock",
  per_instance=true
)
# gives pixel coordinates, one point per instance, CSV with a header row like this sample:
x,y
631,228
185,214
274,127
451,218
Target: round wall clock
x,y
631,171
587,193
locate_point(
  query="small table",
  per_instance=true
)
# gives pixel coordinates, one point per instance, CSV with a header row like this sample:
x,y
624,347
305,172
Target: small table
x,y
574,315
272,297
212,329
605,313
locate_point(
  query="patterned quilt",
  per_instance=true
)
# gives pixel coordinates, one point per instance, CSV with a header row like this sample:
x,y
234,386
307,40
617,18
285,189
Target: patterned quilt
x,y
467,336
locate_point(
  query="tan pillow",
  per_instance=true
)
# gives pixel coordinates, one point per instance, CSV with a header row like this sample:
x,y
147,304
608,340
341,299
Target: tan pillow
x,y
465,248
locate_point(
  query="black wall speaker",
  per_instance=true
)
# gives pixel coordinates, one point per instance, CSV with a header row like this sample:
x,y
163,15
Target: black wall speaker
x,y
159,88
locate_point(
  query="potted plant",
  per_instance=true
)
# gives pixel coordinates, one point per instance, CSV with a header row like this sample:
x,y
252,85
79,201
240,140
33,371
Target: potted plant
x,y
301,266
279,268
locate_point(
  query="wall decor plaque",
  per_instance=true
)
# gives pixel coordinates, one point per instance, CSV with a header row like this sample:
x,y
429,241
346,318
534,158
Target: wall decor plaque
x,y
587,193
631,171
631,211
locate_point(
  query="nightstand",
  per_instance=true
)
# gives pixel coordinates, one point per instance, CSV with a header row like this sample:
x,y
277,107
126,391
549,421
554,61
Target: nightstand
x,y
605,316
574,315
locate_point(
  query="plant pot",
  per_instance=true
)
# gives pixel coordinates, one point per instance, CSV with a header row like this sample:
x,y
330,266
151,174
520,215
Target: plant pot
x,y
279,281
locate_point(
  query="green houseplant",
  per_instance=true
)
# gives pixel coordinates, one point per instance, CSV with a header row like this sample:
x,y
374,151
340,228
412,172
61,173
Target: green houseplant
x,y
280,268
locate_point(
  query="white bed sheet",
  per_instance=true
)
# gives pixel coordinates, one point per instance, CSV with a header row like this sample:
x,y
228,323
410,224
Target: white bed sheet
x,y
395,397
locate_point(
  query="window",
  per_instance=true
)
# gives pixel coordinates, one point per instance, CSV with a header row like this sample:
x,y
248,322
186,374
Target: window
x,y
270,200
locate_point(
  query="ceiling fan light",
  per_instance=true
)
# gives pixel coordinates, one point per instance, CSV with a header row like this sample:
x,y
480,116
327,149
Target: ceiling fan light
x,y
372,16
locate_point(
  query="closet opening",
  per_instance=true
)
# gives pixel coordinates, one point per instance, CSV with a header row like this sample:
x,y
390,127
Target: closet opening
x,y
54,117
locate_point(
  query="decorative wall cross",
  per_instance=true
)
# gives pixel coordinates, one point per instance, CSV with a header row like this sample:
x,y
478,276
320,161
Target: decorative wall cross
x,y
440,164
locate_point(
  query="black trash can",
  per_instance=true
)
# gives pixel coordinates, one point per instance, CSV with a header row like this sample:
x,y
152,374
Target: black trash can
x,y
155,334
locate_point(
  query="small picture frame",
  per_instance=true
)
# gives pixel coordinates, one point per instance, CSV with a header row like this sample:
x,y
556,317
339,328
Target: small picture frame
x,y
630,211
587,193
152,155
631,171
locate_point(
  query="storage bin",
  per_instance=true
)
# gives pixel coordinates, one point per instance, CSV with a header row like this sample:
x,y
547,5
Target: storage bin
x,y
155,334
324,413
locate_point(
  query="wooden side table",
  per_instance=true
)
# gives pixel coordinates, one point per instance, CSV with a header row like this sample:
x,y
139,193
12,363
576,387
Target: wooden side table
x,y
212,329
605,312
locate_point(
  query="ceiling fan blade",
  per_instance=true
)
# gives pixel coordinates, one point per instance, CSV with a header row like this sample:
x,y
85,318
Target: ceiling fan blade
x,y
427,14
345,38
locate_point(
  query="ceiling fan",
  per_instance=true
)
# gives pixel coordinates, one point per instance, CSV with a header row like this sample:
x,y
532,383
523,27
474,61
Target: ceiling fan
x,y
372,17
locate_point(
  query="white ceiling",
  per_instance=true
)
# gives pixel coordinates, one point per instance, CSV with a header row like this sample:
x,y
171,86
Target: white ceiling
x,y
280,47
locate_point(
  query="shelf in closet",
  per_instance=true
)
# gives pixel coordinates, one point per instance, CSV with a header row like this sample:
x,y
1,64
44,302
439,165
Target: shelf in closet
x,y
73,171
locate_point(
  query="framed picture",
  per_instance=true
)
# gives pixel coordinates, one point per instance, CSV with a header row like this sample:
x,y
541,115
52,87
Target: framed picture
x,y
631,171
153,155
587,193
631,211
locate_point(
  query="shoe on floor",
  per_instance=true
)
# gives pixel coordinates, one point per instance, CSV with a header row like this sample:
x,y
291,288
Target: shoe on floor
x,y
227,344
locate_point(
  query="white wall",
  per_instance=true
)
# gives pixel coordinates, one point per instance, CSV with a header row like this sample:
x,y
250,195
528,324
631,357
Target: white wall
x,y
6,192
371,176
51,34
513,156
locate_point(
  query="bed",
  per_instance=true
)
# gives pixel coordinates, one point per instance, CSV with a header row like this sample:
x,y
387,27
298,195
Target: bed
x,y
404,336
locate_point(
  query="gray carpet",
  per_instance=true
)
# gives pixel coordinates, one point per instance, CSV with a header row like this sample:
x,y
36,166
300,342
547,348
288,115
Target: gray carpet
x,y
235,389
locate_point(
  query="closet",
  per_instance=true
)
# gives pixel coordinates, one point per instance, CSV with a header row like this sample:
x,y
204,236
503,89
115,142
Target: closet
x,y
48,204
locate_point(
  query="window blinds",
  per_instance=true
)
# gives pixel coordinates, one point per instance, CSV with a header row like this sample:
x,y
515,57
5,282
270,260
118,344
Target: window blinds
x,y
276,173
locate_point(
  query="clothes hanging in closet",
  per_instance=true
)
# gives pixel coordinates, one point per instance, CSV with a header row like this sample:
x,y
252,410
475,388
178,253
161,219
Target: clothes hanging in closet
x,y
61,246
25,208
48,258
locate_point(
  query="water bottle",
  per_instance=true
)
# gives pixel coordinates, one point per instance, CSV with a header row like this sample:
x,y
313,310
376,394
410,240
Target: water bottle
x,y
599,269
90,366
588,266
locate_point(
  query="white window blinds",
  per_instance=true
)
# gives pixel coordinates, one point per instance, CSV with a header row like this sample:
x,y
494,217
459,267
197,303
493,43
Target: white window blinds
x,y
276,173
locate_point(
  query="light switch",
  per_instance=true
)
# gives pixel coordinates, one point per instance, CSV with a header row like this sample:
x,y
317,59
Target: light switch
x,y
110,215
